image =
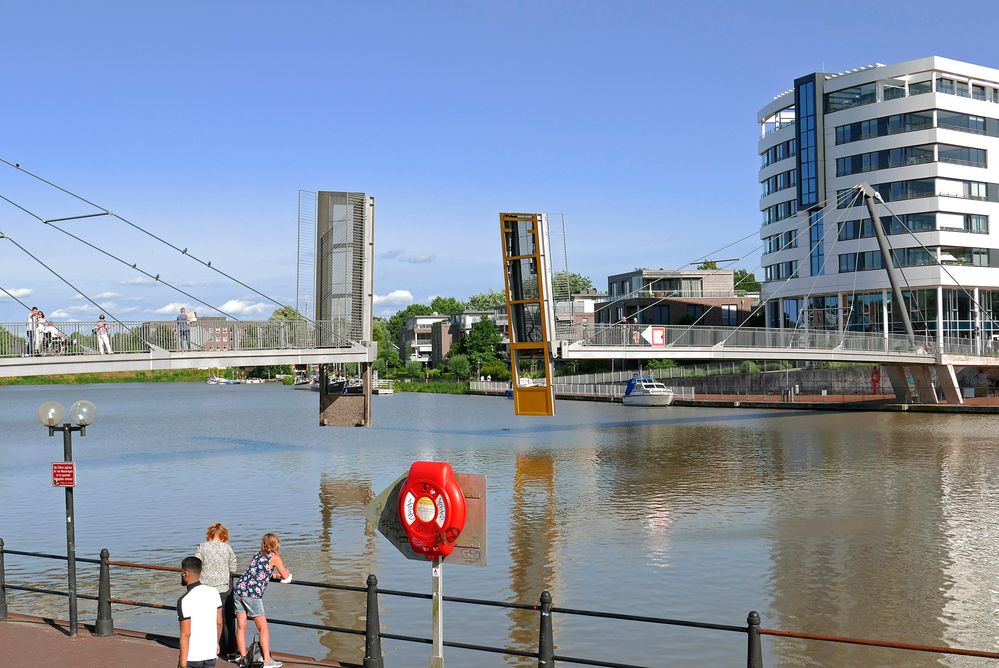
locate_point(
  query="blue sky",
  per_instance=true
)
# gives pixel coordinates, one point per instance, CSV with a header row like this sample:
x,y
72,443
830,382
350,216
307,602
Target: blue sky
x,y
200,121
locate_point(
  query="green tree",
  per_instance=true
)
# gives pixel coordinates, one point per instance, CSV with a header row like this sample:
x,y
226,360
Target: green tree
x,y
485,301
660,364
745,281
707,265
575,282
480,343
396,322
447,305
414,368
460,366
286,313
388,350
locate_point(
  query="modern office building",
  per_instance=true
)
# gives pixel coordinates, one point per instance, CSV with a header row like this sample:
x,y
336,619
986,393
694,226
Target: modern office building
x,y
925,135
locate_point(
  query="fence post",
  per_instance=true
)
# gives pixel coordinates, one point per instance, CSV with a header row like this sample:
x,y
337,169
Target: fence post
x,y
3,586
228,641
372,628
546,641
104,626
755,657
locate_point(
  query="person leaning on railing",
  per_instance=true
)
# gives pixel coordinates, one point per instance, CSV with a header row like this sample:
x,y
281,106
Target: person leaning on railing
x,y
249,595
218,562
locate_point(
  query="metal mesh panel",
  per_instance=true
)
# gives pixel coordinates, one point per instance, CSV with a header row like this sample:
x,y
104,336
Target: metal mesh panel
x,y
305,286
560,295
341,262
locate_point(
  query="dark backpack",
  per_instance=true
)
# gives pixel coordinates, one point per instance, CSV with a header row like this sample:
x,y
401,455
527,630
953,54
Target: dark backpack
x,y
254,656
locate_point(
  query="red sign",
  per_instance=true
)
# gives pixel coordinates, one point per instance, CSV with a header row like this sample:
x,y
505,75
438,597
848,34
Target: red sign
x,y
64,474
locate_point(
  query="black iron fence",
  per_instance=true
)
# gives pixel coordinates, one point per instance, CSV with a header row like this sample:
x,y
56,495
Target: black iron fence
x,y
544,653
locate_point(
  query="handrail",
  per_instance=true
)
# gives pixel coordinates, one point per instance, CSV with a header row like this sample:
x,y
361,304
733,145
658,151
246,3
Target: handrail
x,y
543,608
881,643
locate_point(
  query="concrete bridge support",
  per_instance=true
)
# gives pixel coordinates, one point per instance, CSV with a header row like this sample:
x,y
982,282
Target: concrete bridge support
x,y
337,409
925,392
947,379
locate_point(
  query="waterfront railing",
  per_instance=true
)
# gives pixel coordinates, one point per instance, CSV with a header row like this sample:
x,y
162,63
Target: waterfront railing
x,y
544,653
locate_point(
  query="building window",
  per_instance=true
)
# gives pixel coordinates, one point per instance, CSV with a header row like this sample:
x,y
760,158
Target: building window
x,y
729,315
950,120
851,97
817,256
808,174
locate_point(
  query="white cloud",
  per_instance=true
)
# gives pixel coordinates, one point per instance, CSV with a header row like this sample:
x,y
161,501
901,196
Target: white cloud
x,y
17,292
243,307
418,259
58,313
108,295
172,307
398,254
138,280
394,298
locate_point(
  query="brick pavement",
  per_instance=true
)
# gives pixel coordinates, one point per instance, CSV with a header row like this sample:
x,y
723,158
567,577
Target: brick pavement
x,y
34,642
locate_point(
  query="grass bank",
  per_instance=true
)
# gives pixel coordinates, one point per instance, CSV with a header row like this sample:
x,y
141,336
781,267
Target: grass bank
x,y
167,376
436,387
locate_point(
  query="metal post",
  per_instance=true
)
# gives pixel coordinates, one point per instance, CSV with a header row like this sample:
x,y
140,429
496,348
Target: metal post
x,y
104,626
437,658
755,655
228,641
898,302
546,640
372,628
67,447
3,586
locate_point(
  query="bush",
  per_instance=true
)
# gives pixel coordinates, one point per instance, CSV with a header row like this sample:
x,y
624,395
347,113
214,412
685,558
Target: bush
x,y
497,370
749,366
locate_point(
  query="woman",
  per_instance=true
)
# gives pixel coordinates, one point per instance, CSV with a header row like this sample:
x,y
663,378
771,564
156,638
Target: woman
x,y
217,562
249,595
103,332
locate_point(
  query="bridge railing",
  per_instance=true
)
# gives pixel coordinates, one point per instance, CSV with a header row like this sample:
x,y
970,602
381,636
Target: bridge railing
x,y
206,334
630,336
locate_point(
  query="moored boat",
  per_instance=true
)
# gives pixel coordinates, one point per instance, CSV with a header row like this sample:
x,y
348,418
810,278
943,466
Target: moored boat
x,y
646,391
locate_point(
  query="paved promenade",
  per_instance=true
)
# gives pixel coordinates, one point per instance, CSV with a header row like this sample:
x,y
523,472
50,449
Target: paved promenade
x,y
33,642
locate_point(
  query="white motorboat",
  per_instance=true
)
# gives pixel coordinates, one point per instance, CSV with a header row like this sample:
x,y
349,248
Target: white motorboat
x,y
646,391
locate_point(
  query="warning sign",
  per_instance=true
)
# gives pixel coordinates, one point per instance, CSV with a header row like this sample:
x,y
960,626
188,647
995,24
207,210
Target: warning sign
x,y
64,474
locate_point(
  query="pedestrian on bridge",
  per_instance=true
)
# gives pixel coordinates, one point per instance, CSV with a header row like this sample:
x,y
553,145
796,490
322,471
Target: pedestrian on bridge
x,y
249,596
30,326
103,332
184,329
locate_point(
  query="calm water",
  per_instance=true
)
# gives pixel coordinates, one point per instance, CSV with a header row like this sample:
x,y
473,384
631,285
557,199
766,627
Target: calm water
x,y
878,525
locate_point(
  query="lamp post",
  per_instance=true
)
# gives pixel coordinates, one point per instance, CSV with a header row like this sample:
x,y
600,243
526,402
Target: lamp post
x,y
83,413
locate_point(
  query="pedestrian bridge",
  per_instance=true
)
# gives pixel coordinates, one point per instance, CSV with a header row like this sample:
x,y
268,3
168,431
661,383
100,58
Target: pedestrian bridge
x,y
628,341
157,345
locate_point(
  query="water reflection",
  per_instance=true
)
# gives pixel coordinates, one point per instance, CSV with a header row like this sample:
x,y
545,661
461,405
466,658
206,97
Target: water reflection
x,y
869,524
532,543
341,500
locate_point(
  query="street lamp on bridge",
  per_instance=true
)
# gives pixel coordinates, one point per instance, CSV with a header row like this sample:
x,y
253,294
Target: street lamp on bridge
x,y
51,414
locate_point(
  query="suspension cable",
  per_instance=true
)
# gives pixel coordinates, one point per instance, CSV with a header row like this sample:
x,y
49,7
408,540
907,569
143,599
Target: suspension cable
x,y
14,298
937,261
52,271
837,199
130,265
182,251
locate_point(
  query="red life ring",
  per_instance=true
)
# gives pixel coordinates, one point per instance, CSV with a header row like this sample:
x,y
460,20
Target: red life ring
x,y
876,375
